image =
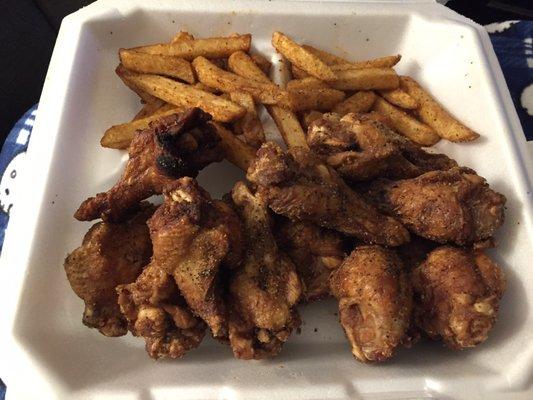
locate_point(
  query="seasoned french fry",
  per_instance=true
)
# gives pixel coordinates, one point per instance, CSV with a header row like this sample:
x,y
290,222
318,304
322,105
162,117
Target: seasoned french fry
x,y
211,75
366,79
406,125
298,73
360,102
302,58
243,65
433,114
149,109
328,58
309,116
205,88
249,126
217,47
182,35
322,99
261,62
399,98
340,64
157,64
306,84
236,151
184,95
125,76
120,136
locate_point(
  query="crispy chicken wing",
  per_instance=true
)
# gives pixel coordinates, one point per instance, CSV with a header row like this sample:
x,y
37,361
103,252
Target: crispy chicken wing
x,y
315,251
445,206
263,292
456,296
375,301
361,148
111,254
176,145
192,237
295,184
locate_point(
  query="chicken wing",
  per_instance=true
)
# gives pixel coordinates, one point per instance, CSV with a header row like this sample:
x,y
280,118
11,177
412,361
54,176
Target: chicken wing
x,y
456,296
315,251
375,302
263,292
361,148
177,145
445,206
297,185
111,254
192,237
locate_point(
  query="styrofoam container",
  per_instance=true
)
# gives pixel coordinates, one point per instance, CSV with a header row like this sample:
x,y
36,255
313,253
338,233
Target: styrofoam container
x,y
45,350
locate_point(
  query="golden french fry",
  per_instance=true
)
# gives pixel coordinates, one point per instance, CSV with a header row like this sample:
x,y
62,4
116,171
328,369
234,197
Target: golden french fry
x,y
184,95
360,102
217,47
261,62
205,88
406,125
125,75
306,84
322,99
298,73
399,98
328,58
309,116
302,58
120,136
382,62
249,126
182,35
157,64
433,114
243,65
149,109
366,79
211,75
236,151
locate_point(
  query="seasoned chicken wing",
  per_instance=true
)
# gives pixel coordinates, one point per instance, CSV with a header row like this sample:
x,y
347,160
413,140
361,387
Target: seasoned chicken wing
x,y
456,296
192,237
176,145
111,254
375,302
263,292
445,206
361,148
315,251
297,185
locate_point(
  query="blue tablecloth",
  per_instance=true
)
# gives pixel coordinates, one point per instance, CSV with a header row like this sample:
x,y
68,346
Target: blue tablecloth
x,y
512,41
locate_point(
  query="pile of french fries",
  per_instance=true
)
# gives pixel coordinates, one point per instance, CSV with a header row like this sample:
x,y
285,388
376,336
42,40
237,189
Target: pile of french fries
x,y
221,76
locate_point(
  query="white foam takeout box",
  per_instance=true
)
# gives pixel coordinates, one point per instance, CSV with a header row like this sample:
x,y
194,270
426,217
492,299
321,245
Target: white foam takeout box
x,y
46,352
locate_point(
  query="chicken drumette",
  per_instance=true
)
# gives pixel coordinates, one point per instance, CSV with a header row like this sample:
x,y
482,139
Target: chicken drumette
x,y
176,145
375,302
111,254
297,185
263,292
445,206
361,148
456,296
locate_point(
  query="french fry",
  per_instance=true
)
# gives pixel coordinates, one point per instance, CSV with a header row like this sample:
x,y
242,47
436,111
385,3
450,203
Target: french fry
x,y
433,114
184,95
322,99
298,73
125,76
157,64
309,116
366,79
217,47
205,88
286,121
339,64
406,125
120,136
235,150
399,98
302,58
261,62
249,126
210,75
182,35
327,58
360,102
306,84
149,109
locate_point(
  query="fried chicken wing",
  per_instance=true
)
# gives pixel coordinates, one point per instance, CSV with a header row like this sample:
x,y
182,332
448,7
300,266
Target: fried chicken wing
x,y
375,302
315,251
191,236
111,254
457,293
445,206
177,145
361,148
263,292
297,185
